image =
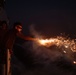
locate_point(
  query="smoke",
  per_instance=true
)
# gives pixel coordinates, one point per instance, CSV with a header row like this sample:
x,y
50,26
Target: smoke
x,y
46,61
17,66
34,32
52,53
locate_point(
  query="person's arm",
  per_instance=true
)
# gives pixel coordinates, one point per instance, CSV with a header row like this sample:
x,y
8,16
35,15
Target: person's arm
x,y
22,36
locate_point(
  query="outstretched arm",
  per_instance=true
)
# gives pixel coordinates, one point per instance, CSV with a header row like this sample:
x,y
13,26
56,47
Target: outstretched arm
x,y
22,36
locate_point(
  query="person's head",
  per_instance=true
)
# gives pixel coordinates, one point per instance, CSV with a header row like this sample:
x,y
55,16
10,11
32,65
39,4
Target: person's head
x,y
18,26
3,25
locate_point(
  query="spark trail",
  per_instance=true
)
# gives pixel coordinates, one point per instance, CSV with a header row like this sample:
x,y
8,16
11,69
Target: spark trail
x,y
59,41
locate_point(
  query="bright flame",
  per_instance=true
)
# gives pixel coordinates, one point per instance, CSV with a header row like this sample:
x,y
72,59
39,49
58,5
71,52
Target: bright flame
x,y
60,42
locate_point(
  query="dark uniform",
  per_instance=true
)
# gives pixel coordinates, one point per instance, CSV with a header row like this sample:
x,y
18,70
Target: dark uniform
x,y
3,31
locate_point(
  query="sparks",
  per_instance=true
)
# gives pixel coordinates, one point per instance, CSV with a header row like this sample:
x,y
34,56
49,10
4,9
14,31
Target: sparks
x,y
59,42
64,51
74,62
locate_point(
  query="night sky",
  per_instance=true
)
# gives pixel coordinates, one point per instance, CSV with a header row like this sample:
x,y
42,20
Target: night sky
x,y
50,18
